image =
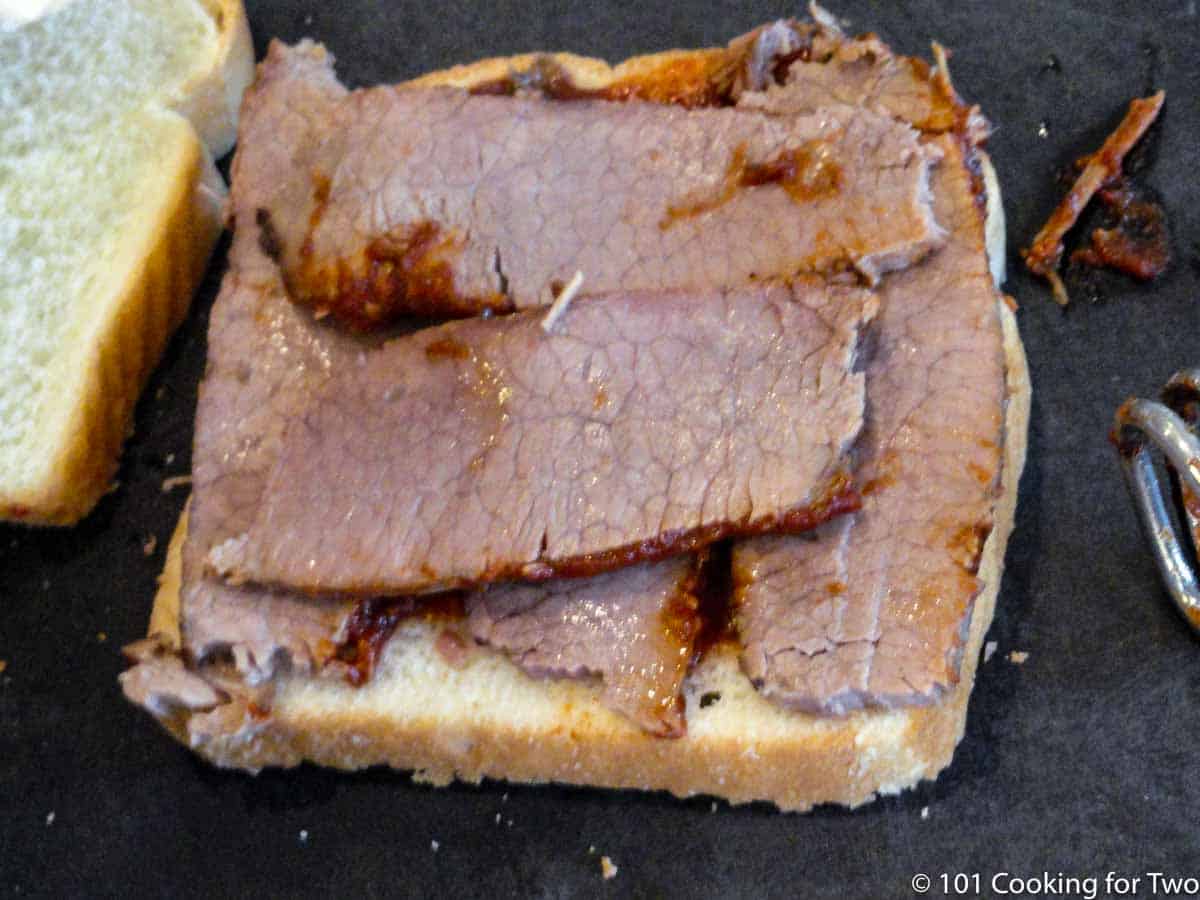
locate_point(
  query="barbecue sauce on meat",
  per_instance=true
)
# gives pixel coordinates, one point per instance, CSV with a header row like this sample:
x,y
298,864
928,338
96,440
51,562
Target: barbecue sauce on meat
x,y
807,172
697,80
407,272
376,619
404,273
447,348
841,497
714,594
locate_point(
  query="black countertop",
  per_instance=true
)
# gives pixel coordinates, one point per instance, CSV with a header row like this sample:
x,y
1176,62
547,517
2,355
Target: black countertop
x,y
1083,760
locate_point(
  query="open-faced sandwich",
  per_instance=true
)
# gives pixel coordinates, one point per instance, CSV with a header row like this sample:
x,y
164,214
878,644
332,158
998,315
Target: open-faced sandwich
x,y
651,426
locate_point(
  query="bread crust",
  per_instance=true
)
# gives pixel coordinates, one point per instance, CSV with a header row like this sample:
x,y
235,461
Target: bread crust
x,y
211,99
488,719
99,373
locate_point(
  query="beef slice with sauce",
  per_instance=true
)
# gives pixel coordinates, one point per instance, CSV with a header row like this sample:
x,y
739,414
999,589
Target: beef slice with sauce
x,y
643,425
398,200
872,610
634,630
264,357
862,73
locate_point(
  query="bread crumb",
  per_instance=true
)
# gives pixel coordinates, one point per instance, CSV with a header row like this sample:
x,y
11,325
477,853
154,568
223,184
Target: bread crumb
x,y
433,845
101,636
924,813
607,869
169,484
497,818
1018,657
150,545
49,818
989,649
304,835
592,850
3,665
504,799
169,459
713,808
509,823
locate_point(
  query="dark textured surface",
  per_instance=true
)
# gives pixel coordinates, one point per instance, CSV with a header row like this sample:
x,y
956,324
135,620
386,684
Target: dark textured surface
x,y
1080,761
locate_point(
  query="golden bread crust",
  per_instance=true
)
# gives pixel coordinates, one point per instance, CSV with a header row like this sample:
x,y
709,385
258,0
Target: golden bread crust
x,y
211,100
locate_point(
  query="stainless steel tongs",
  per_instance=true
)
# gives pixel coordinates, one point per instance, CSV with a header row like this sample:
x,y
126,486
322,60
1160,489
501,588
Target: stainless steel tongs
x,y
1171,426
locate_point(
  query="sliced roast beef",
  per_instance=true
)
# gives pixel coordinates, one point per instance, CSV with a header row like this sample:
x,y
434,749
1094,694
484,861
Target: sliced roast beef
x,y
265,357
633,629
853,643
642,425
874,610
437,201
862,73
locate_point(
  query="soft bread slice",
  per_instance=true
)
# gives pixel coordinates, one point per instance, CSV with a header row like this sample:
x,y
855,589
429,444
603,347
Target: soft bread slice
x,y
489,719
112,112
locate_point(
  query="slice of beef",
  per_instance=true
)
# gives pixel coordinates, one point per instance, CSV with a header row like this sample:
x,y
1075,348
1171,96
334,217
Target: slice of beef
x,y
875,609
863,73
633,629
265,357
643,425
436,201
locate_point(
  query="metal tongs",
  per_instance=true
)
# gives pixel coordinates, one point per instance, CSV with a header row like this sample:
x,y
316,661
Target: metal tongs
x,y
1171,426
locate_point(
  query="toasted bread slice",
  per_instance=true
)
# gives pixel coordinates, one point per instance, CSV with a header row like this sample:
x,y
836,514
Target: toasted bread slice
x,y
487,718
110,206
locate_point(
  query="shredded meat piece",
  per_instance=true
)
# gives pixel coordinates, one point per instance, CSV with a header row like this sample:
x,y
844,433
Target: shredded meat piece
x,y
1044,255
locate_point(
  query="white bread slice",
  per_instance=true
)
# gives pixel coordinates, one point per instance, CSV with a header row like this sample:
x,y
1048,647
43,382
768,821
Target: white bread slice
x,y
111,112
489,719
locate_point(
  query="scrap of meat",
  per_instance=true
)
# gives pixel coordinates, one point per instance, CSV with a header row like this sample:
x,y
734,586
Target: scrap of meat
x,y
1045,253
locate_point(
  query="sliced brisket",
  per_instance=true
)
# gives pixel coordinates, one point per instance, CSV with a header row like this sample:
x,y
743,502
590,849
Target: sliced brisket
x,y
861,73
875,609
435,201
644,425
265,357
871,608
633,629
